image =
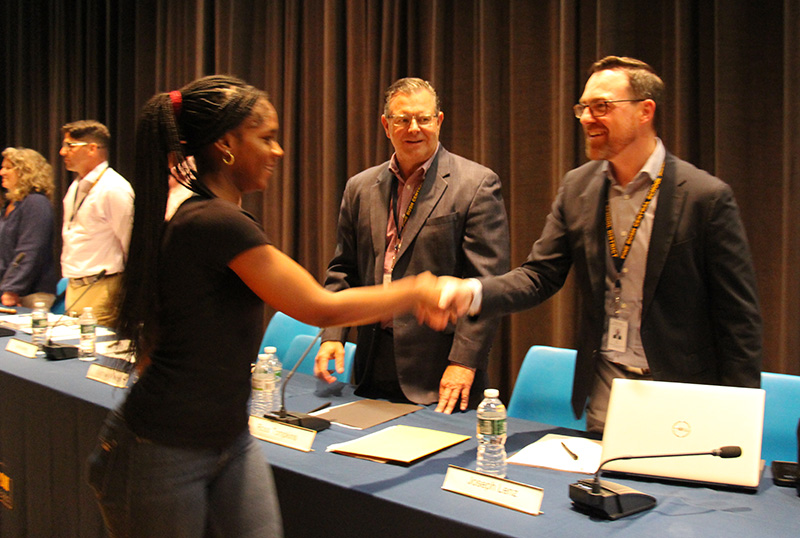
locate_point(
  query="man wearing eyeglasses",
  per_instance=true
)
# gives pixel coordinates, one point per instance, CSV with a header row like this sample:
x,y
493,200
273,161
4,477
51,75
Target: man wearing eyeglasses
x,y
98,216
425,209
660,254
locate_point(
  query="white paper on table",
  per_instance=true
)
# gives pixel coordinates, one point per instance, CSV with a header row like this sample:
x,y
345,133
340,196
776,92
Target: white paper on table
x,y
549,453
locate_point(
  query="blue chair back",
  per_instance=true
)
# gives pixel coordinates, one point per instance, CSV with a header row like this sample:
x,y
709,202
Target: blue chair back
x,y
543,390
61,293
781,413
301,343
280,332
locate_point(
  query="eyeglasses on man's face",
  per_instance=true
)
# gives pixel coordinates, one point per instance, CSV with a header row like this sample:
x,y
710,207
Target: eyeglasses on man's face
x,y
401,121
72,145
599,108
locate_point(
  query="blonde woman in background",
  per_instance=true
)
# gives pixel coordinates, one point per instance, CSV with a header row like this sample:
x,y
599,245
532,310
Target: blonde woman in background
x,y
27,271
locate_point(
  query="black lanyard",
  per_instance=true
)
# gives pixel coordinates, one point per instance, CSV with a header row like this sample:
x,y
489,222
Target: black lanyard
x,y
395,213
409,209
619,259
75,199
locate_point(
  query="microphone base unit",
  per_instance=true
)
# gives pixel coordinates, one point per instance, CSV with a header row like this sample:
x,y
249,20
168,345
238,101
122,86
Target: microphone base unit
x,y
59,352
614,501
302,420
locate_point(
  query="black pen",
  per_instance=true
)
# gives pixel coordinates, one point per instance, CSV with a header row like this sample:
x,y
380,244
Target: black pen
x,y
570,452
320,408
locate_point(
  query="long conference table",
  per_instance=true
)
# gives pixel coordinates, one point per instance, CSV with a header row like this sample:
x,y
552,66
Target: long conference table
x,y
50,414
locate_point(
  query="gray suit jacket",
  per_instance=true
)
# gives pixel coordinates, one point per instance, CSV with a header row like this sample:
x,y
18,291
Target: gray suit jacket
x,y
458,228
700,315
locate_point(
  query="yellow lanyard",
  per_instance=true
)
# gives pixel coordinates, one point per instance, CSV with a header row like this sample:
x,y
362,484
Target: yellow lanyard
x,y
409,209
619,259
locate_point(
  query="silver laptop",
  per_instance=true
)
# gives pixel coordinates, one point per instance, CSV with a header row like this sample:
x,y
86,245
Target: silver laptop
x,y
656,417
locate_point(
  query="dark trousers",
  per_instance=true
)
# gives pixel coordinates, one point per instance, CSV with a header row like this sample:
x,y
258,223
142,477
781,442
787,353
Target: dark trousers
x,y
379,379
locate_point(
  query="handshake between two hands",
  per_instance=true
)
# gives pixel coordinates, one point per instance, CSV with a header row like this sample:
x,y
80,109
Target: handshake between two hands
x,y
438,301
441,300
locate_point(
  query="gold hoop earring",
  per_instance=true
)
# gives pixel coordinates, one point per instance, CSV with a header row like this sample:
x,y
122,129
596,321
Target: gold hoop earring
x,y
230,160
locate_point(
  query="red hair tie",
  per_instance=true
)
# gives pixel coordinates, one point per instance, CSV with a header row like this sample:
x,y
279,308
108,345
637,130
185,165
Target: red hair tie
x,y
177,101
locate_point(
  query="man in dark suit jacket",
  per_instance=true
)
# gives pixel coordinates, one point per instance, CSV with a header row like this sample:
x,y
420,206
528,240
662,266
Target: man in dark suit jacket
x,y
424,210
672,298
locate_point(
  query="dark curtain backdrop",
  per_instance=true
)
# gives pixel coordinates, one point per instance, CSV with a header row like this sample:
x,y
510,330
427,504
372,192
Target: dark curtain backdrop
x,y
507,73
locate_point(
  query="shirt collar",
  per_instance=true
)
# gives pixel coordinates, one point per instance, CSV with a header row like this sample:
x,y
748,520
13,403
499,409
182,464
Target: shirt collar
x,y
96,172
650,170
395,167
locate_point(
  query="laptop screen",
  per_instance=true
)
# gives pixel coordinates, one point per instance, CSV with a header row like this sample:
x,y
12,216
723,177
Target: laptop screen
x,y
656,417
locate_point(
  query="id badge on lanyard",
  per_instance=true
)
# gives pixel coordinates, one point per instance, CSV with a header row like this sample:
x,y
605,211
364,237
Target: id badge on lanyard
x,y
617,337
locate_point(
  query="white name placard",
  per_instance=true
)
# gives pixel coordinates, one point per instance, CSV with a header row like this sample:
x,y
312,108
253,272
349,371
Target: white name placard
x,y
492,489
282,434
20,347
109,376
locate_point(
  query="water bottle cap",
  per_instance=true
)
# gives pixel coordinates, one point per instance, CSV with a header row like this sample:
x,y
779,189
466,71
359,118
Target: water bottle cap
x,y
491,393
87,309
38,304
270,349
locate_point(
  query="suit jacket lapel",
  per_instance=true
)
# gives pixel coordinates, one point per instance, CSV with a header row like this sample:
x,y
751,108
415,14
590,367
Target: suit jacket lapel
x,y
432,190
379,218
671,200
594,236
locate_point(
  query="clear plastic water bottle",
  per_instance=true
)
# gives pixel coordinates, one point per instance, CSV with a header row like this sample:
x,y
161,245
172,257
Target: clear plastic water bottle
x,y
262,385
39,324
88,333
491,434
277,372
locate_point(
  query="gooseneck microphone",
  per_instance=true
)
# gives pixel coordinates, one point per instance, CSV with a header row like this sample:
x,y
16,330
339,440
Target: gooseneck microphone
x,y
614,501
299,419
723,452
59,352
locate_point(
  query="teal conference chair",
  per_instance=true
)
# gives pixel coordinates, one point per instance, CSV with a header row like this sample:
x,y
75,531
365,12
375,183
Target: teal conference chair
x,y
543,390
61,294
280,332
781,413
301,343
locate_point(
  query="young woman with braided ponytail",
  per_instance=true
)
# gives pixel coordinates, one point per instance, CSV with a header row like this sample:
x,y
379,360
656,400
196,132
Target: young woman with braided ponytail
x,y
177,459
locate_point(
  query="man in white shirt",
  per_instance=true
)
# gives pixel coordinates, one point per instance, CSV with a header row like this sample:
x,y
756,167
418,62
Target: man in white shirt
x,y
98,216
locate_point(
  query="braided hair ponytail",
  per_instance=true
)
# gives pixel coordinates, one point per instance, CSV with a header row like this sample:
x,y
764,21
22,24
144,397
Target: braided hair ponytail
x,y
171,127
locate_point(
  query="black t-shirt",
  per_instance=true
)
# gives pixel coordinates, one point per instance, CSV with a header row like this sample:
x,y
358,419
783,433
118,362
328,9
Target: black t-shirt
x,y
195,392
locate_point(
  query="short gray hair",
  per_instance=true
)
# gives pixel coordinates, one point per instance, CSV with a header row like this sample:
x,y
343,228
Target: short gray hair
x,y
408,85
